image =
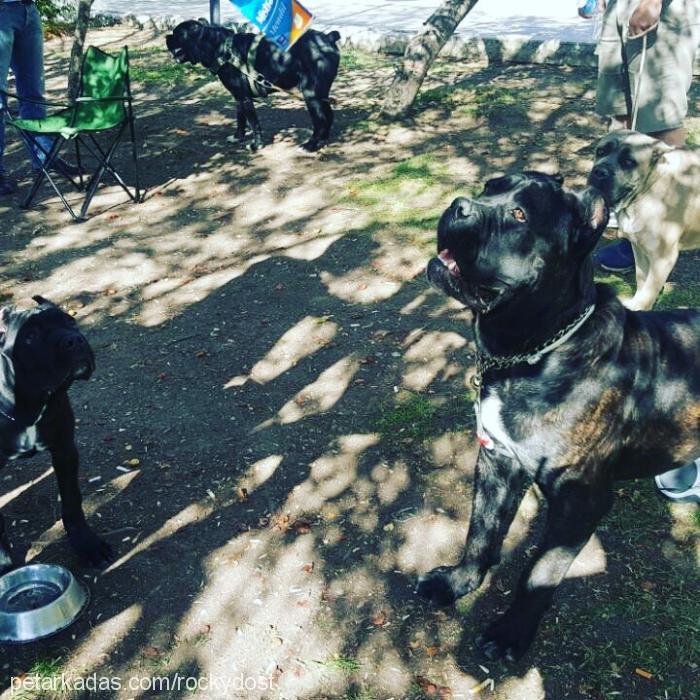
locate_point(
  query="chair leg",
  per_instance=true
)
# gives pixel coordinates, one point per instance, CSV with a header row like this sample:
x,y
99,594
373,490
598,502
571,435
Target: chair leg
x,y
132,132
97,177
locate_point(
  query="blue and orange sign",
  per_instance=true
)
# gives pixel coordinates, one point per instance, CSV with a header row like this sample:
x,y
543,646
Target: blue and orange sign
x,y
281,21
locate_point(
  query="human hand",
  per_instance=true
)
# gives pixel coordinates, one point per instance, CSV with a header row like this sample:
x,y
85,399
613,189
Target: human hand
x,y
644,17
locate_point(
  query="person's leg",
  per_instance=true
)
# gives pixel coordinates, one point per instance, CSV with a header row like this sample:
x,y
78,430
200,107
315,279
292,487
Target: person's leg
x,y
6,41
28,67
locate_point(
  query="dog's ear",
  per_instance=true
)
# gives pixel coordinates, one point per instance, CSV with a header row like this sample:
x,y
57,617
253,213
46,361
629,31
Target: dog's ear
x,y
42,301
590,219
658,153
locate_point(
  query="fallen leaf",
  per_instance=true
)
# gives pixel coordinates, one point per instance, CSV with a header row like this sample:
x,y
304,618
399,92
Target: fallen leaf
x,y
308,568
380,619
301,527
152,652
280,522
432,651
426,686
134,462
200,354
644,674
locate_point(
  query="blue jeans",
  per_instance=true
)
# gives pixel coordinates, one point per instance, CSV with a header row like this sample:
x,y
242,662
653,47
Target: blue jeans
x,y
22,49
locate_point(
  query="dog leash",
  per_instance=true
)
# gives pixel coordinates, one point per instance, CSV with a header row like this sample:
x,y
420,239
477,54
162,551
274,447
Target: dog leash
x,y
633,99
486,361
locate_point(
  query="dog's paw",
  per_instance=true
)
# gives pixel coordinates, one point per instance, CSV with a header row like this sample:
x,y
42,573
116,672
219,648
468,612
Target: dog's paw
x,y
90,548
435,587
505,639
313,145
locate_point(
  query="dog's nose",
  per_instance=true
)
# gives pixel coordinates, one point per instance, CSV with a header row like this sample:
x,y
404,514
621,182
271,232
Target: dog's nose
x,y
462,207
601,171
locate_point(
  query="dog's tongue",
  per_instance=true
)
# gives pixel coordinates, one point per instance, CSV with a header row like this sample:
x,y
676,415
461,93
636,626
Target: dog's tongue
x,y
449,262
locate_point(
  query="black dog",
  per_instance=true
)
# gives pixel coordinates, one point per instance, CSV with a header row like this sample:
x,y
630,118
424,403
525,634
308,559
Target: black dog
x,y
41,353
574,390
250,66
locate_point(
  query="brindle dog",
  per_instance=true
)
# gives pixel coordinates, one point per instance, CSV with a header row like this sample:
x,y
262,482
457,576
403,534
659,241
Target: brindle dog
x,y
576,391
311,64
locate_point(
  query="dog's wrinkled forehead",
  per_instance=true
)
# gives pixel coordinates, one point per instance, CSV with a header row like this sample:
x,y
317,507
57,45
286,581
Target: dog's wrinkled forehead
x,y
12,319
532,190
624,143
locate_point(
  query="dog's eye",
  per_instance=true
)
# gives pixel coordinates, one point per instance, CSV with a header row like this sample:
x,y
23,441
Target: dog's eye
x,y
518,214
628,162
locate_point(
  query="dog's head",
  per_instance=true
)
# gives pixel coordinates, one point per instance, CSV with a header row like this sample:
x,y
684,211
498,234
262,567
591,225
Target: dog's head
x,y
624,163
523,234
188,42
42,350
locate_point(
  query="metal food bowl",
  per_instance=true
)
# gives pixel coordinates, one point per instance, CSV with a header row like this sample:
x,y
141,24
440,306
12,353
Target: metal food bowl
x,y
37,601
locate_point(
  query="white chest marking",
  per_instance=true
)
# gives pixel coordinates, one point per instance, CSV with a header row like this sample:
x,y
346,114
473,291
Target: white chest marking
x,y
492,424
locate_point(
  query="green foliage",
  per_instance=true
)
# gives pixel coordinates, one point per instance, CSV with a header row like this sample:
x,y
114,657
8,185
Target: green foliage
x,y
57,15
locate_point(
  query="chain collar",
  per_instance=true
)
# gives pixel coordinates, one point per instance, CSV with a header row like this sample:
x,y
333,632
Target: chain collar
x,y
485,361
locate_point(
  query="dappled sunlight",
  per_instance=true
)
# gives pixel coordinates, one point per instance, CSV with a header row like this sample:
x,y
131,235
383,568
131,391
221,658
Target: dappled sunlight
x,y
319,396
106,636
428,355
307,336
446,537
260,472
293,395
189,515
360,287
330,475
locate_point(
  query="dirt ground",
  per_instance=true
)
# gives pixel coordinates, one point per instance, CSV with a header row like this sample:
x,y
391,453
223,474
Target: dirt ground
x,y
278,436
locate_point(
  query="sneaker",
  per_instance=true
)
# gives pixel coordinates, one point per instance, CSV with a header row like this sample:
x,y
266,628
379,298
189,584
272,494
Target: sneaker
x,y
616,257
7,184
682,484
588,9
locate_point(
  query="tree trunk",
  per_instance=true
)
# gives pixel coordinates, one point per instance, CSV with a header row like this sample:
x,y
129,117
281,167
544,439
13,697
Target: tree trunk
x,y
421,51
76,54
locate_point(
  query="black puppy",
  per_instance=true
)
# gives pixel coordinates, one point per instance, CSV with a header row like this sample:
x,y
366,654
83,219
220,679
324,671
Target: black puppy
x,y
41,353
574,391
250,66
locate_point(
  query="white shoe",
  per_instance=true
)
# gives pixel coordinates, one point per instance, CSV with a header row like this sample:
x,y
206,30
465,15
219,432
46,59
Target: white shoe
x,y
682,484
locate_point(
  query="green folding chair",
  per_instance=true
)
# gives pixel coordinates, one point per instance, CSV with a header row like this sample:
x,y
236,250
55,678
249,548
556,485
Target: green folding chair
x,y
104,104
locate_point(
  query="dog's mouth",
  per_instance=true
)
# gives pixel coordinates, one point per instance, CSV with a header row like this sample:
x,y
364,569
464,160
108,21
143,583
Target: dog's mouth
x,y
449,262
177,52
481,297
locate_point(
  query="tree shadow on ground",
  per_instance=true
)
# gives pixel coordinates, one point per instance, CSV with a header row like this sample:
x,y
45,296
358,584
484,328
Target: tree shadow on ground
x,y
280,422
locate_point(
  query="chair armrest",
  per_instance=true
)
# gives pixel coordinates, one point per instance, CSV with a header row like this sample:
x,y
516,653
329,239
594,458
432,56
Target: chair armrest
x,y
50,103
101,99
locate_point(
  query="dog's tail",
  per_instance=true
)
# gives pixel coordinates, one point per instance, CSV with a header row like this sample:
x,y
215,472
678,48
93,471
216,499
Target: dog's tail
x,y
333,36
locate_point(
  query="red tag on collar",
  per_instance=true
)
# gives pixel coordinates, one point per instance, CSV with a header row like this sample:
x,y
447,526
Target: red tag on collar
x,y
485,441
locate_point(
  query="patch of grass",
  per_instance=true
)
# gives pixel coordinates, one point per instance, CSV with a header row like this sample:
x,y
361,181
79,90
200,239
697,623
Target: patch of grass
x,y
359,694
155,65
356,59
654,623
409,416
43,678
344,664
623,286
678,297
393,197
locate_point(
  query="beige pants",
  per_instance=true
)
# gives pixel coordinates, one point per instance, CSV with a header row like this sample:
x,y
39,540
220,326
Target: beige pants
x,y
668,65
